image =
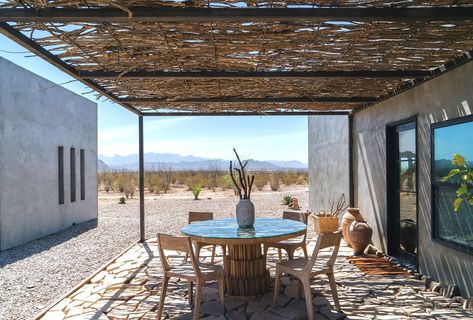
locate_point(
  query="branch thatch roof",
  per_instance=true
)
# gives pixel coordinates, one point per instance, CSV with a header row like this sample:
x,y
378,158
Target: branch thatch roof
x,y
305,45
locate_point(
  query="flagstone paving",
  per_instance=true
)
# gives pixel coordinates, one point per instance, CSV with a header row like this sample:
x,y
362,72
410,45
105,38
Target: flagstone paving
x,y
129,289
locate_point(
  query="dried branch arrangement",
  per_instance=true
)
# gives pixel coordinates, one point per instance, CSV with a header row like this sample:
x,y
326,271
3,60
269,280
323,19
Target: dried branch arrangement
x,y
335,209
245,182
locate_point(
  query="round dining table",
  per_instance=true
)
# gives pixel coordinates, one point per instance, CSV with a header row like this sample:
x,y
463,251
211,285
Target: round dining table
x,y
245,263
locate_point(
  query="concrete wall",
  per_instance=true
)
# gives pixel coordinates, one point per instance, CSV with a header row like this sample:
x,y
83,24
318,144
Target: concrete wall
x,y
37,116
445,97
328,160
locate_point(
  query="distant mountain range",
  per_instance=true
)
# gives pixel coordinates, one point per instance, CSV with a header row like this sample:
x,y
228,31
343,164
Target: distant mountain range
x,y
177,162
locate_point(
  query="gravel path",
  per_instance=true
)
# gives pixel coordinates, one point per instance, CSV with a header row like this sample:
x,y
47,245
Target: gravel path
x,y
35,274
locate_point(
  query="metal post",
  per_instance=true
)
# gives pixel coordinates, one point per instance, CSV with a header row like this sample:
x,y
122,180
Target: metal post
x,y
350,161
142,181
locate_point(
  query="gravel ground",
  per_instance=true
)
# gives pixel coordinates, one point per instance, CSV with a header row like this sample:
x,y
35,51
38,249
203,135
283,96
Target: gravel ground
x,y
34,275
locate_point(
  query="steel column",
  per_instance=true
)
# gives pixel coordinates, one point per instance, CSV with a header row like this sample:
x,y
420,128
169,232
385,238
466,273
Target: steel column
x,y
142,180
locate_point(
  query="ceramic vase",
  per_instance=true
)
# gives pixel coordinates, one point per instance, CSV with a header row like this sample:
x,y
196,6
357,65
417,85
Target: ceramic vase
x,y
359,233
245,213
352,214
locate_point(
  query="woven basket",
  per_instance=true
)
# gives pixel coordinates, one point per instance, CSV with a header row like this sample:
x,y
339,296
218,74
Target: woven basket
x,y
325,224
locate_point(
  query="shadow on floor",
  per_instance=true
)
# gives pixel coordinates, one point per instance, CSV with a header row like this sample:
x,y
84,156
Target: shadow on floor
x,y
28,249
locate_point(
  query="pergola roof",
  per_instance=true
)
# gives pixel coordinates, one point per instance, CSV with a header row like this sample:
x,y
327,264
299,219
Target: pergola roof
x,y
245,56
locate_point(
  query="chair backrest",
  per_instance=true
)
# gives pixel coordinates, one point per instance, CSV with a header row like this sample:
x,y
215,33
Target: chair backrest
x,y
199,216
326,240
183,244
297,216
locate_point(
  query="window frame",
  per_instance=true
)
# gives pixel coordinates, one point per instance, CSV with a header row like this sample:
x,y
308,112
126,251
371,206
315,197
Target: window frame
x,y
433,185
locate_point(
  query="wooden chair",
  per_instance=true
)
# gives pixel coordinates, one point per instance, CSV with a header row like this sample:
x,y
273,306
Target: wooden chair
x,y
193,271
195,216
304,270
291,245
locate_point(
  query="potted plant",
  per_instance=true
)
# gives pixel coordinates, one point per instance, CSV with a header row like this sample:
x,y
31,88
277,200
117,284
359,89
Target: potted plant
x,y
245,210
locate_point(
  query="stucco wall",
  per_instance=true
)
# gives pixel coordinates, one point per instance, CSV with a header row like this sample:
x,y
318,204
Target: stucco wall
x,y
328,160
37,116
445,97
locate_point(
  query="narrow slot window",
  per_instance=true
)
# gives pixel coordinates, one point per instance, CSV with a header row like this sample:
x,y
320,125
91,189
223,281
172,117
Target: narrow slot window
x,y
82,174
73,174
60,171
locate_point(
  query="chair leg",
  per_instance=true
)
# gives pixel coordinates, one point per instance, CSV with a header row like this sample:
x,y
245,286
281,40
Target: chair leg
x,y
308,298
198,247
224,251
213,254
164,287
277,284
333,288
191,291
290,253
279,254
299,289
304,248
221,293
198,295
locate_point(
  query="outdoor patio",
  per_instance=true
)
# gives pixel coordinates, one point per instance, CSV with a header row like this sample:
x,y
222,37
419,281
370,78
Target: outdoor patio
x,y
129,286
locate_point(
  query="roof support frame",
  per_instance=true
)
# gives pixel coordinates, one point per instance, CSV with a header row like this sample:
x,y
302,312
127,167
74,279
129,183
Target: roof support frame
x,y
175,15
392,74
305,100
246,113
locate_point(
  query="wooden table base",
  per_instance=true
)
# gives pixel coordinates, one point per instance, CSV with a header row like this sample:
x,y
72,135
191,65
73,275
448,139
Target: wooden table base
x,y
246,271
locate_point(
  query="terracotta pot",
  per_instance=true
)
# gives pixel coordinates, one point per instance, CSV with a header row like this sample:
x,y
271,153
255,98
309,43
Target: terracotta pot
x,y
359,233
352,214
245,213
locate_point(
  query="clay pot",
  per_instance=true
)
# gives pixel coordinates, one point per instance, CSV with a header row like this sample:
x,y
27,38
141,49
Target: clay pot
x,y
245,213
359,233
352,214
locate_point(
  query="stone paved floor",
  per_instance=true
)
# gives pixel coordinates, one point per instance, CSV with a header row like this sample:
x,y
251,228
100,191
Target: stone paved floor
x,y
129,289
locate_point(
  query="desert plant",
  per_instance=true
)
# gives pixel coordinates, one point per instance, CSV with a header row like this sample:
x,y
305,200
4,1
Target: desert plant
x,y
129,187
286,200
245,183
121,200
261,180
226,182
213,173
464,175
274,181
196,191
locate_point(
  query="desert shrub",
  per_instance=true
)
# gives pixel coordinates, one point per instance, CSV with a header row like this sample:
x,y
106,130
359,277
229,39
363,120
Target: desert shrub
x,y
196,179
261,180
121,200
286,200
289,178
214,172
196,191
226,182
274,180
129,187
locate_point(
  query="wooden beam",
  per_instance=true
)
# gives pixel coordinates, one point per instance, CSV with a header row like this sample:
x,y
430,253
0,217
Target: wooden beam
x,y
305,100
35,48
193,14
246,113
397,74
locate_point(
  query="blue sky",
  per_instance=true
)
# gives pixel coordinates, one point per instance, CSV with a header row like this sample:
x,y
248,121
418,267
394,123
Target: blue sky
x,y
261,138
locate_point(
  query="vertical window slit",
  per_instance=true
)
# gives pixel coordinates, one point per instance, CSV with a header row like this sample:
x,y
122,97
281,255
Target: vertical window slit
x,y
82,174
60,166
73,174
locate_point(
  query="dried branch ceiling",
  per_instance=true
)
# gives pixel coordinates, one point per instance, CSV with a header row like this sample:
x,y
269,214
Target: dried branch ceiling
x,y
253,46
